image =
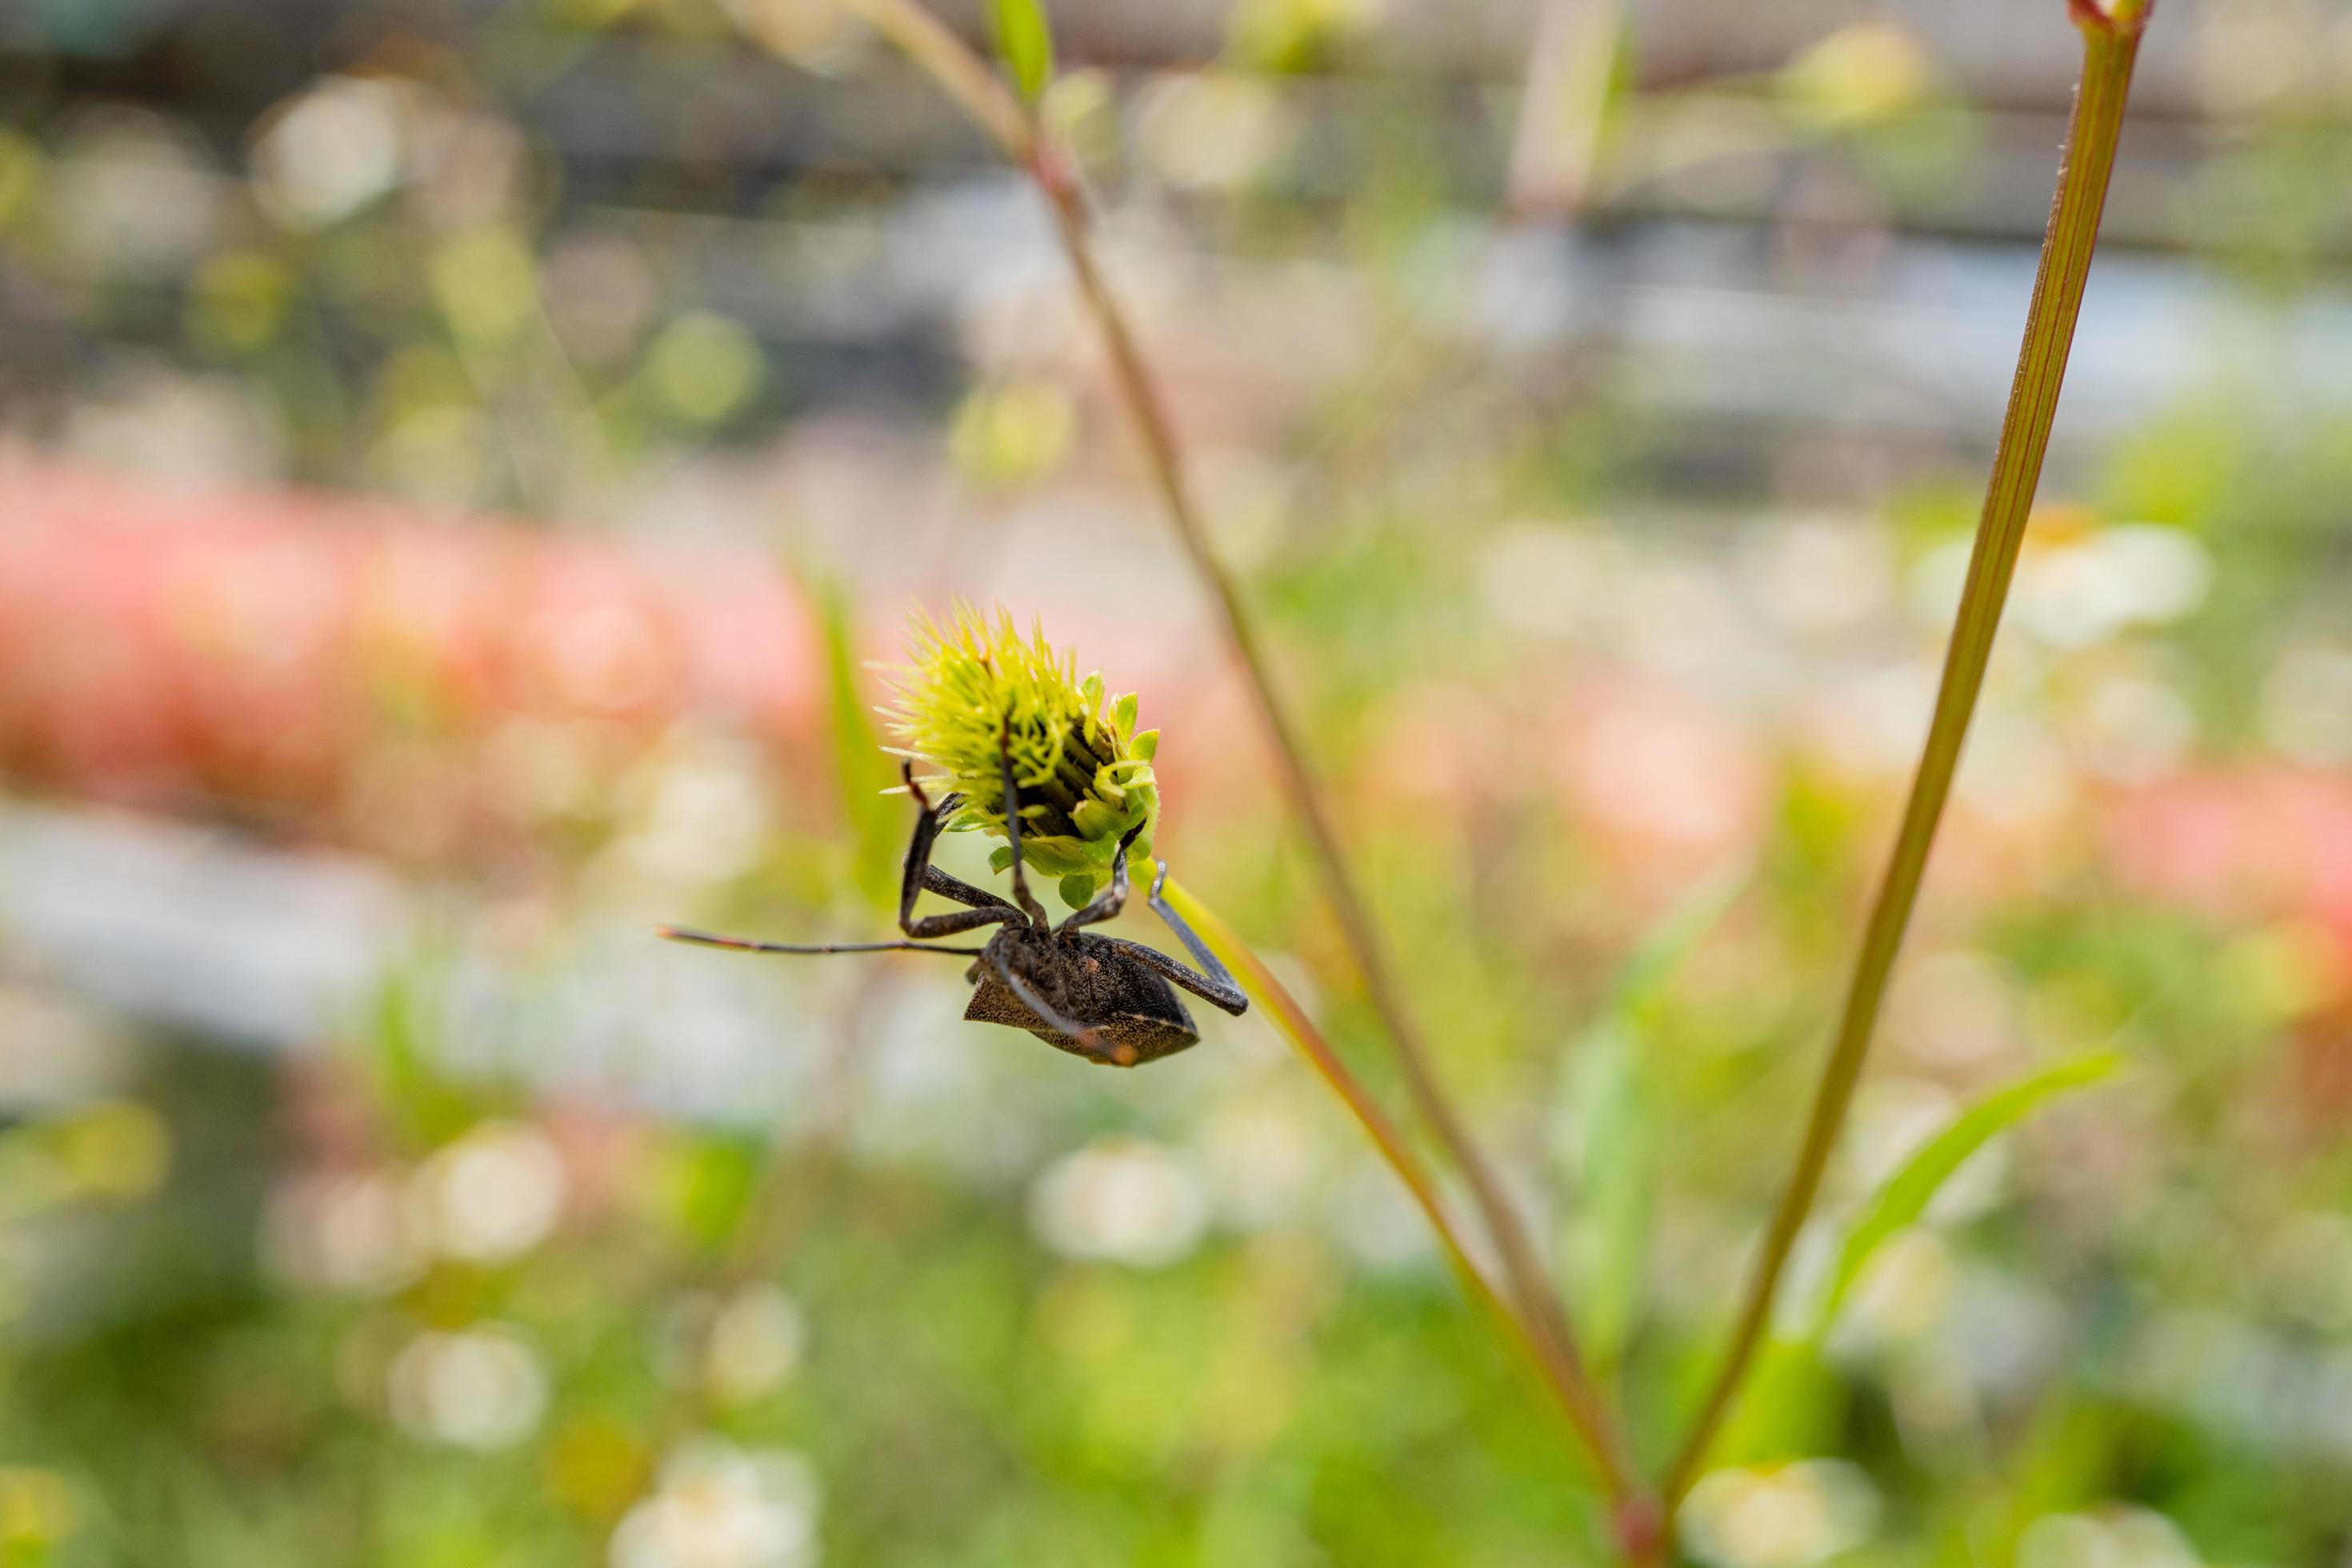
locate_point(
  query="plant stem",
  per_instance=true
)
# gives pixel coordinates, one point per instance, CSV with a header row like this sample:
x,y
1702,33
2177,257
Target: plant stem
x,y
1590,1422
1010,124
1557,147
1523,1270
2111,41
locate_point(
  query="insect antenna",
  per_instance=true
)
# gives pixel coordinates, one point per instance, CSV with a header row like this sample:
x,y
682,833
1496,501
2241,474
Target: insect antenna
x,y
745,944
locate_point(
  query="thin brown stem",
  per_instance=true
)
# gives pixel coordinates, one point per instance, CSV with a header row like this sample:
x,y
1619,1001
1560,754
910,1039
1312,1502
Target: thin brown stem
x,y
1009,123
1556,146
1590,1423
1522,1269
2111,39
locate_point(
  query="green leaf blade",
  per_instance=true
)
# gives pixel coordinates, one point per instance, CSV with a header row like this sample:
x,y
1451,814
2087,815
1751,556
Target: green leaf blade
x,y
1904,1195
1025,42
862,772
1606,1126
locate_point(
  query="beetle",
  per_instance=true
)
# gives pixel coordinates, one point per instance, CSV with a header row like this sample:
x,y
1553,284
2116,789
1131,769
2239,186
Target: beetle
x,y
1109,1001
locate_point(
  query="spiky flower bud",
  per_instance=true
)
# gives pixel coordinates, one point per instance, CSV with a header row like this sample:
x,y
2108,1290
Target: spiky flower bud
x,y
973,689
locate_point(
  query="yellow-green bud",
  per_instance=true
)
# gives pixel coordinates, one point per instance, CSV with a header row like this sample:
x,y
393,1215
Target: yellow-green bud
x,y
974,689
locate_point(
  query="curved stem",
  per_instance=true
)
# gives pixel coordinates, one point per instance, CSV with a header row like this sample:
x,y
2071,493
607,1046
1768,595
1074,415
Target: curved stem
x,y
1523,1269
1589,1422
2111,39
1011,126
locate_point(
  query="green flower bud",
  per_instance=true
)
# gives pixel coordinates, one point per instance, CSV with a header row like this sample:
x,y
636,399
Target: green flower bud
x,y
974,689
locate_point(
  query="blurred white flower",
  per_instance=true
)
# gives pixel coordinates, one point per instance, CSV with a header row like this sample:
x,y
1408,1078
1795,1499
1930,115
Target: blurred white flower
x,y
1871,726
2083,591
2134,729
2116,1536
329,152
706,814
1375,1220
58,1048
1260,1160
721,1506
2166,572
2013,774
152,419
1954,1008
1211,130
1819,576
491,1195
754,1344
2069,597
1904,1292
1932,587
1780,1516
1121,1199
1552,579
1675,613
344,1232
2249,59
477,1388
138,192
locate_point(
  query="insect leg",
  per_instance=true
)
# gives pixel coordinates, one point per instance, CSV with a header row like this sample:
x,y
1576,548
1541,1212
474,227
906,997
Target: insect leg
x,y
1020,893
986,909
1113,899
1217,986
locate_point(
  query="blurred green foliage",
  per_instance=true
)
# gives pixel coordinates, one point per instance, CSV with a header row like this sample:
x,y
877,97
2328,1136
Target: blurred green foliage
x,y
966,1305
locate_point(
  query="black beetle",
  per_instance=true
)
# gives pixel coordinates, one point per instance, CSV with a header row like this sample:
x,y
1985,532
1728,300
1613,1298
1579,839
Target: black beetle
x,y
1098,998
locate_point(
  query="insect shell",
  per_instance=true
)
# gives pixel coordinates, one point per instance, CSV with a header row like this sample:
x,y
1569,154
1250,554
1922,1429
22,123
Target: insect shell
x,y
1134,1016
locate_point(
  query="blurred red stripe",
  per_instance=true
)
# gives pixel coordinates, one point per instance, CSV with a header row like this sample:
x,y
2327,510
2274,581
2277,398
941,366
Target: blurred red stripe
x,y
252,650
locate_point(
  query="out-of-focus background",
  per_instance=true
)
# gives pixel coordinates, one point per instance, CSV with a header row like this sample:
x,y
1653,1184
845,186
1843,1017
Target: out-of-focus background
x,y
459,457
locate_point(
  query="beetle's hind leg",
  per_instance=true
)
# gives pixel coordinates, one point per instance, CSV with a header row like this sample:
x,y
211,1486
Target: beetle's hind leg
x,y
1216,987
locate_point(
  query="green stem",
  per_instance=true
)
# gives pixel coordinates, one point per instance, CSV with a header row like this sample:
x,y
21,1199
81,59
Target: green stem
x,y
1011,125
1590,1421
2111,41
1523,1270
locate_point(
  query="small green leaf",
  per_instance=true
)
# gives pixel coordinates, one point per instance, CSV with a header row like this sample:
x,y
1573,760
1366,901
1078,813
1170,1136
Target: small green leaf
x,y
1907,1193
1025,42
862,772
1610,1128
1607,1125
1642,980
